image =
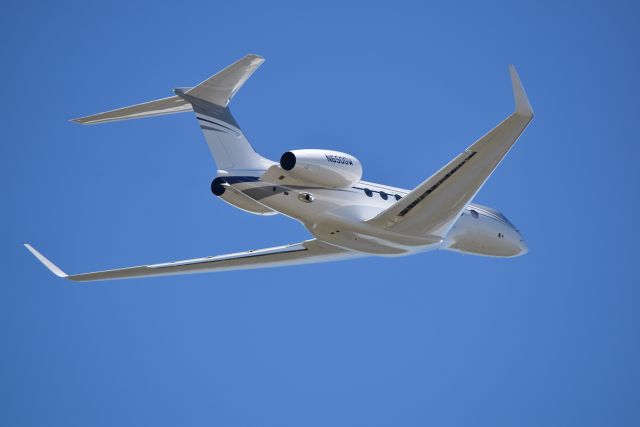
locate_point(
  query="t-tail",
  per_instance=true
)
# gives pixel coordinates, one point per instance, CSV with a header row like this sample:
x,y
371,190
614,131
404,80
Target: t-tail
x,y
210,102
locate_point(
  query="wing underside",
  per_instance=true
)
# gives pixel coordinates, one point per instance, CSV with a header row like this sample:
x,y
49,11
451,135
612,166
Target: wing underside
x,y
310,251
433,206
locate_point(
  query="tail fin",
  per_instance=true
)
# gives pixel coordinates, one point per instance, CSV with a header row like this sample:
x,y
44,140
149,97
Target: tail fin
x,y
209,100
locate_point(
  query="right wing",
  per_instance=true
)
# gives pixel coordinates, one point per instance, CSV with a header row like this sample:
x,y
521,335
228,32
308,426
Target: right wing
x,y
433,206
309,251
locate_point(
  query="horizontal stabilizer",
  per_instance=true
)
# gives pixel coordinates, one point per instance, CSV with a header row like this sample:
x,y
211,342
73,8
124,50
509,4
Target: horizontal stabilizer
x,y
220,88
217,90
170,105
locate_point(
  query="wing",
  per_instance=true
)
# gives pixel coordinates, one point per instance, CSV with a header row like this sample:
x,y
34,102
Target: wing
x,y
310,251
433,206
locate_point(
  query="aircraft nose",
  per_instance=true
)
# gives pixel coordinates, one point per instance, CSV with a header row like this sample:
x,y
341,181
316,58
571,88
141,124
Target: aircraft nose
x,y
523,247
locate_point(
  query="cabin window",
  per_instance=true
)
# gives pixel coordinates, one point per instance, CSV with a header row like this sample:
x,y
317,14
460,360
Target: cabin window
x,y
384,195
474,214
368,192
398,197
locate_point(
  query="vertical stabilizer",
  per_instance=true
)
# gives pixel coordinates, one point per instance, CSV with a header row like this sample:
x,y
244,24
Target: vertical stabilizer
x,y
210,100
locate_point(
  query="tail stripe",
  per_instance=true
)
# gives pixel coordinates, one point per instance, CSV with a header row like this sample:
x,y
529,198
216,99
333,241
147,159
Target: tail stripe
x,y
216,123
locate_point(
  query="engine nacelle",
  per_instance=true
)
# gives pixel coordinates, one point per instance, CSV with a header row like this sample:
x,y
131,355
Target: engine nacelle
x,y
323,167
237,198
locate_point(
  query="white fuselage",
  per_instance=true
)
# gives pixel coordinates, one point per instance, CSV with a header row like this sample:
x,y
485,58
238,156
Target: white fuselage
x,y
338,216
323,189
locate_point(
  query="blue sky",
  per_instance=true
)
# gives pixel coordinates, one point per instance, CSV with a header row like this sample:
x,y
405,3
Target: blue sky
x,y
551,338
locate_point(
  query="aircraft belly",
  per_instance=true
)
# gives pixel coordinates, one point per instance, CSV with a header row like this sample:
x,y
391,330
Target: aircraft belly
x,y
336,216
291,201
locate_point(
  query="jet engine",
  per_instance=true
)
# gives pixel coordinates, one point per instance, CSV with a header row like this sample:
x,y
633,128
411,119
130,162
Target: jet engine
x,y
237,198
322,167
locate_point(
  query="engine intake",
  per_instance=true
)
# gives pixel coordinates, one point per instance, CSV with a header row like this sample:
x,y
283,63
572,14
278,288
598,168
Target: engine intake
x,y
288,161
217,186
322,167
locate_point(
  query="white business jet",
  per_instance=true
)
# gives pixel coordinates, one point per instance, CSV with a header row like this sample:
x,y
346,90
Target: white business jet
x,y
323,190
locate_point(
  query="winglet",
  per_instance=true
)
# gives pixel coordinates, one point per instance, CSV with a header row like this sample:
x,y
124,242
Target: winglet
x,y
51,266
523,107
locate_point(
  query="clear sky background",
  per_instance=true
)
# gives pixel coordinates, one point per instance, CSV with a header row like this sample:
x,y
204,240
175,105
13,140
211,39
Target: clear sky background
x,y
551,338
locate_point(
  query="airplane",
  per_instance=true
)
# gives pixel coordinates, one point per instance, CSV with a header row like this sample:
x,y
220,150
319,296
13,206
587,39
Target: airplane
x,y
323,190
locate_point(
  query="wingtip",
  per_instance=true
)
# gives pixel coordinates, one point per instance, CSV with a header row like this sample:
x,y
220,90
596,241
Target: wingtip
x,y
523,107
255,60
51,266
256,56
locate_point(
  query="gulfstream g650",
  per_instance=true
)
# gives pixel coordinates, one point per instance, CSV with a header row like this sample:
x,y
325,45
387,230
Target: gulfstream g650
x,y
323,190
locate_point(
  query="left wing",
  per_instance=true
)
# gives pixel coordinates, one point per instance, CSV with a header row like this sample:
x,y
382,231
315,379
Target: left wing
x,y
309,251
432,207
